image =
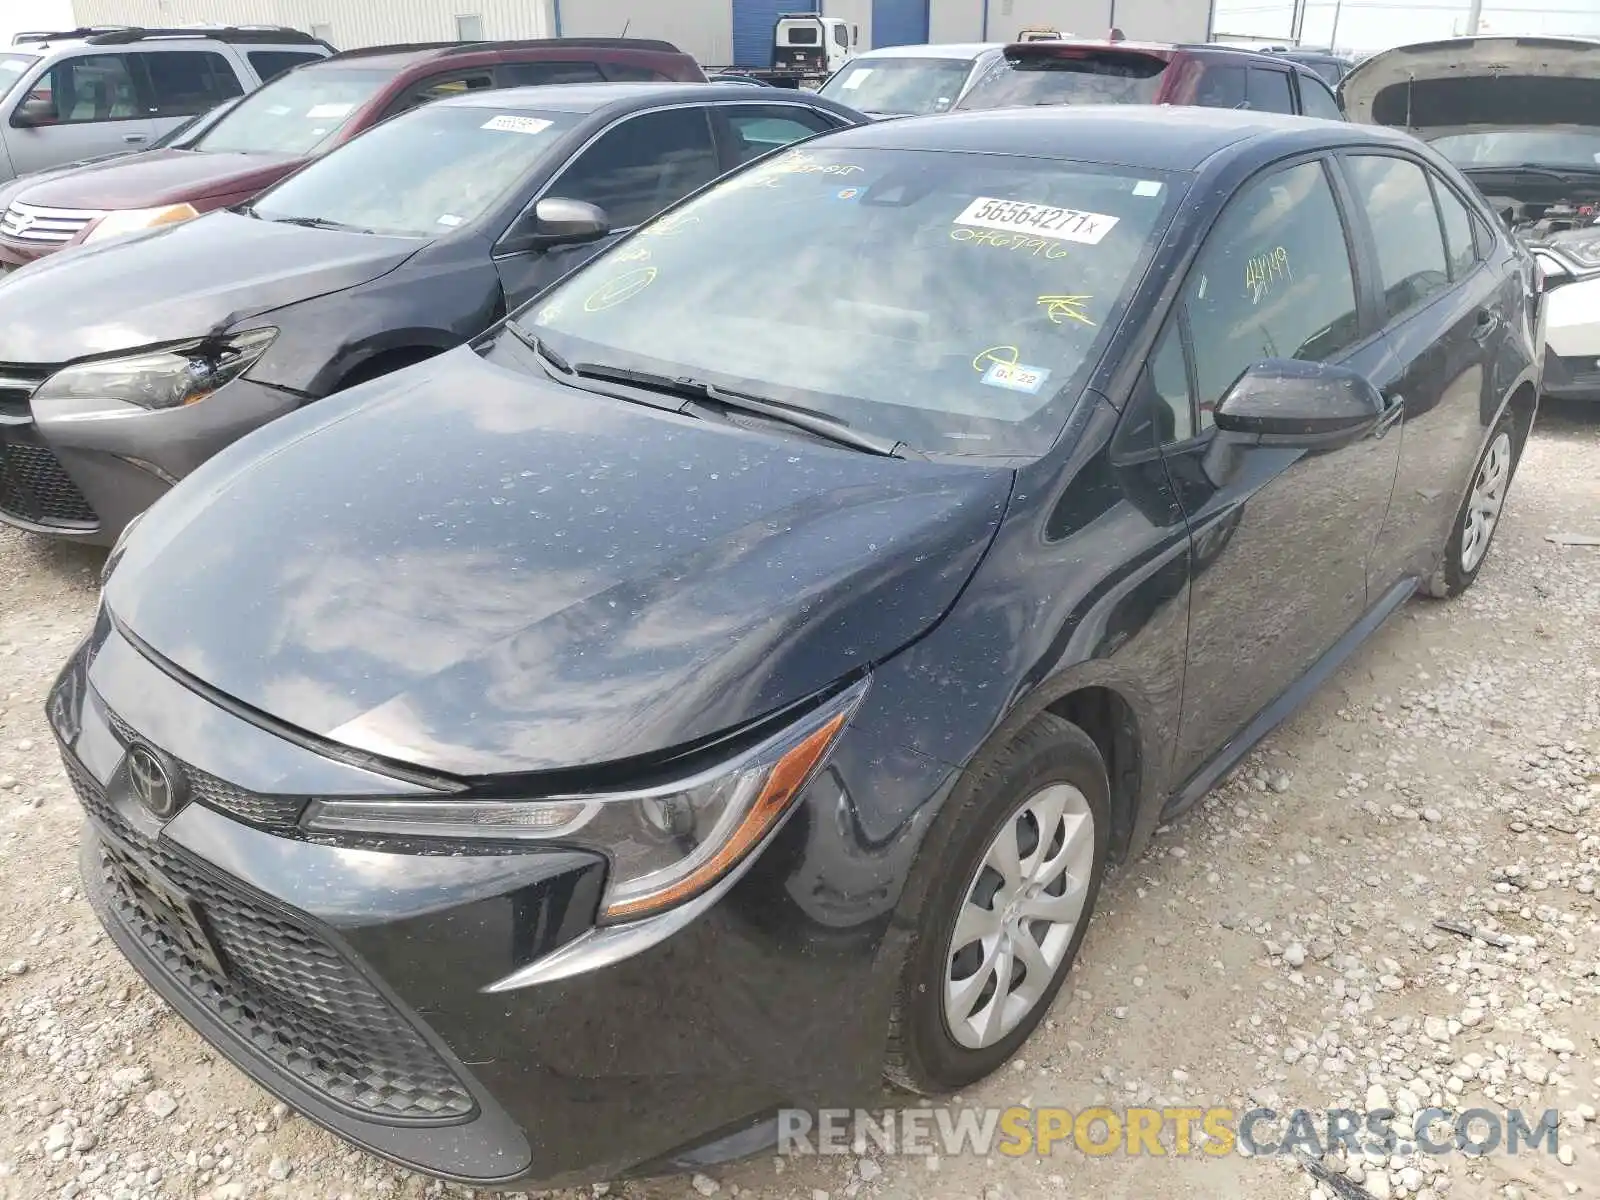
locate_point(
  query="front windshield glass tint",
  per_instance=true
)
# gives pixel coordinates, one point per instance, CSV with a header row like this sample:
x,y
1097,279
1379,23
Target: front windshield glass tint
x,y
1513,147
421,174
12,68
904,86
954,302
1099,78
296,113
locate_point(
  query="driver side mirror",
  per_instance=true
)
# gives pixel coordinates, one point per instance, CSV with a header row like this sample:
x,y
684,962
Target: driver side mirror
x,y
32,113
554,221
1291,404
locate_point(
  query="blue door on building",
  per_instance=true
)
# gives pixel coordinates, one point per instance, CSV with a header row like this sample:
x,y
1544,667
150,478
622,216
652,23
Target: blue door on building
x,y
899,22
753,22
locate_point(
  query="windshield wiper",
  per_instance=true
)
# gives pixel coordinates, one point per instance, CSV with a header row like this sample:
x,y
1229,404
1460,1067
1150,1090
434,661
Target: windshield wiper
x,y
700,391
313,223
547,357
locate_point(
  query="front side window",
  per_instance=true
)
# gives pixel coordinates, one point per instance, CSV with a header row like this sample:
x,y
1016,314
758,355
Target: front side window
x,y
88,88
1223,87
535,74
1160,411
1318,101
185,82
1405,225
901,86
1272,281
639,167
422,174
983,289
1269,91
1067,77
758,129
440,86
269,64
295,113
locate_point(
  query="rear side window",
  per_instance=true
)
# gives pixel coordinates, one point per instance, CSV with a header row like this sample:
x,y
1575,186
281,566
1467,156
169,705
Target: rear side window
x,y
269,64
633,73
1097,77
185,82
438,86
1273,281
1405,226
639,167
1222,87
1318,101
1269,91
536,74
1459,246
89,88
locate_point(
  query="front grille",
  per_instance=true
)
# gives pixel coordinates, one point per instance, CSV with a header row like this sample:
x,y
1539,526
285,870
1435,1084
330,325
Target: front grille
x,y
277,814
34,487
17,385
285,991
45,226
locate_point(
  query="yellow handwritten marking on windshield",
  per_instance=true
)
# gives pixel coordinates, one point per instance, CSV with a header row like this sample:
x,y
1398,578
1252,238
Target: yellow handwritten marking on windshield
x,y
798,163
1034,246
548,313
624,287
1264,269
1061,309
667,226
1005,355
637,254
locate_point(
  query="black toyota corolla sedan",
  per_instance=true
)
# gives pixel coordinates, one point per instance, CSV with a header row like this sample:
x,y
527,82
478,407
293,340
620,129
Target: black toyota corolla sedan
x,y
126,364
725,683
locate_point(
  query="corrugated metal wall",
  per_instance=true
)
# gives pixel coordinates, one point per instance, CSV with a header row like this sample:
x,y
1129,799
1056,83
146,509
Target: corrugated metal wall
x,y
753,22
899,22
352,22
701,27
955,20
1148,20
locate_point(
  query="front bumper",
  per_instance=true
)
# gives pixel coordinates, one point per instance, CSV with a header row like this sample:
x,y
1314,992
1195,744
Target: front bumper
x,y
353,980
83,468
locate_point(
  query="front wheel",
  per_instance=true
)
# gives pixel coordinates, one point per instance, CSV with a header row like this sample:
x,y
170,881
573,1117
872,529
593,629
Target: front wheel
x,y
1480,513
1009,893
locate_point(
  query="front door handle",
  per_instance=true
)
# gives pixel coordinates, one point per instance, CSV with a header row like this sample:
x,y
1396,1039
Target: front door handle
x,y
1488,321
1394,406
135,138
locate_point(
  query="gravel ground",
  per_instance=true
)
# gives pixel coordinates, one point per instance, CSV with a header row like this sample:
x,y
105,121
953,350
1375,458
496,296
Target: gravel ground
x,y
1275,947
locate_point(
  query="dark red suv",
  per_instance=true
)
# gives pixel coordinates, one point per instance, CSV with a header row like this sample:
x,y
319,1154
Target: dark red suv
x,y
1087,72
299,116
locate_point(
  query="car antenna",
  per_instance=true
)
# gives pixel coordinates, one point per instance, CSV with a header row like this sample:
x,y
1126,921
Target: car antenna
x,y
625,25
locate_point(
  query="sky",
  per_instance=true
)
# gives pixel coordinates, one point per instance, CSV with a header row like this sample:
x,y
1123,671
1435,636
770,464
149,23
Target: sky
x,y
1378,24
16,15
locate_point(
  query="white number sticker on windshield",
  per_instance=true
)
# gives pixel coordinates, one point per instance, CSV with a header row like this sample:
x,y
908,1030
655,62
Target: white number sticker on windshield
x,y
509,124
324,112
856,79
1063,224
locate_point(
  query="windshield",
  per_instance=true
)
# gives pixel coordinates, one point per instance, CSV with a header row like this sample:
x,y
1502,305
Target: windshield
x,y
422,174
294,113
902,86
1545,147
981,290
12,68
1098,78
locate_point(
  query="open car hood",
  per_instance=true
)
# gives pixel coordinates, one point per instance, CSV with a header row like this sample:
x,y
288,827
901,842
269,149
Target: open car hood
x,y
1477,85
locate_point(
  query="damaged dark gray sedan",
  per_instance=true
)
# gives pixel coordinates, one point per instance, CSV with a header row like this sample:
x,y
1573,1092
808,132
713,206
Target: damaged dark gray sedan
x,y
125,365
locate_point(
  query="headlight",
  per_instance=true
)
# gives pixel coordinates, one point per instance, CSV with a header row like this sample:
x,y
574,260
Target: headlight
x,y
666,844
169,378
1582,246
132,220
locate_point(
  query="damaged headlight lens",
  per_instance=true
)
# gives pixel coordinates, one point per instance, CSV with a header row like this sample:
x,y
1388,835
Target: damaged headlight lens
x,y
171,378
131,220
666,844
1582,246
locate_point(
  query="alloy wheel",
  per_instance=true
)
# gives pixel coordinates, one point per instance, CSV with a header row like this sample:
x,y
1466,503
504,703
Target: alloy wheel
x,y
1019,915
1484,504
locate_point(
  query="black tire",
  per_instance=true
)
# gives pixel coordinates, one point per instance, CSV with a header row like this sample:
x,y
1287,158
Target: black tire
x,y
923,1056
1452,578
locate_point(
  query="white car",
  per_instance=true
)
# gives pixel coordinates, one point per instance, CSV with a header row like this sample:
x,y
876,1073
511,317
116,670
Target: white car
x,y
910,81
1521,119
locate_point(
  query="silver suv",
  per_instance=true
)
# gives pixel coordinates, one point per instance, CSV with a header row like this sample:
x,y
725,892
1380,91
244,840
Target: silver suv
x,y
87,92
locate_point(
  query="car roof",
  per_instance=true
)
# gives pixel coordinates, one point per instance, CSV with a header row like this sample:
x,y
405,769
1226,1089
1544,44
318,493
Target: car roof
x,y
402,56
1148,137
935,50
592,97
1166,50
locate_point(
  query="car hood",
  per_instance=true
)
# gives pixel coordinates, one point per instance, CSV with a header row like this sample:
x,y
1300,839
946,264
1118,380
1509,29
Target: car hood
x,y
159,177
471,570
1477,85
176,282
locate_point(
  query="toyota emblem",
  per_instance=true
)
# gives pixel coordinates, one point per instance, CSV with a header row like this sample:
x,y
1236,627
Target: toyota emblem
x,y
153,785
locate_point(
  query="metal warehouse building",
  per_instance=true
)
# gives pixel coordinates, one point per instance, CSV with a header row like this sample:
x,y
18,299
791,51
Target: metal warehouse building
x,y
716,32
